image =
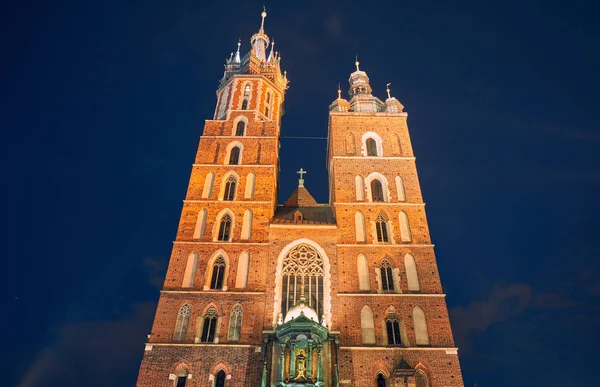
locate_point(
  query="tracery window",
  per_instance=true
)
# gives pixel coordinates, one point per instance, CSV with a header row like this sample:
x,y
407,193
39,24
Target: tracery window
x,y
377,191
393,329
224,228
240,128
210,326
387,280
229,193
371,147
381,228
302,262
218,272
234,156
182,323
235,323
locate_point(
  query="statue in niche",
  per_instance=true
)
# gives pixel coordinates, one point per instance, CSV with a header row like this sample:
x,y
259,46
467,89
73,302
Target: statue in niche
x,y
300,366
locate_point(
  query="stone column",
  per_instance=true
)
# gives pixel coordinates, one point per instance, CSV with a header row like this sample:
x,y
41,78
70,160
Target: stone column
x,y
309,371
320,364
282,363
292,360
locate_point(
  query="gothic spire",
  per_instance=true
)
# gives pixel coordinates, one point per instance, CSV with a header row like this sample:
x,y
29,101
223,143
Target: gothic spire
x,y
271,55
260,40
237,53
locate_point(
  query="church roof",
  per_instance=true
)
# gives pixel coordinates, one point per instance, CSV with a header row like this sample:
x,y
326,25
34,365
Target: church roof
x,y
317,214
300,197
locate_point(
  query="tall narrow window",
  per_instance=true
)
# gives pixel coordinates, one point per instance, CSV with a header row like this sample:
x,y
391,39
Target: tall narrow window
x,y
405,234
240,128
241,278
359,224
396,144
189,275
250,181
376,191
234,156
247,225
218,272
210,326
360,191
363,272
229,193
387,279
200,224
380,380
182,323
302,261
393,329
268,104
421,379
381,229
246,97
208,184
400,189
412,277
421,334
224,228
182,376
235,323
371,147
367,325
220,382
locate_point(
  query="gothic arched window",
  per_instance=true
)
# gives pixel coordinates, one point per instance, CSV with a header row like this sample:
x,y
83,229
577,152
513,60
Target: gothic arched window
x,y
387,279
302,262
224,228
235,323
220,382
246,97
218,272
371,147
380,380
229,193
182,323
209,327
381,228
421,379
377,191
234,156
182,376
240,128
393,329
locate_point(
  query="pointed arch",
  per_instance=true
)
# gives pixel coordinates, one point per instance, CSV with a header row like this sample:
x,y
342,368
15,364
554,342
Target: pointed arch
x,y
377,193
313,249
381,380
360,188
182,374
235,323
350,144
247,225
233,153
240,125
189,275
229,185
396,147
209,326
208,185
359,224
421,333
241,278
250,182
247,95
412,277
381,229
183,318
392,325
224,226
363,272
367,325
405,234
387,276
200,224
371,145
400,189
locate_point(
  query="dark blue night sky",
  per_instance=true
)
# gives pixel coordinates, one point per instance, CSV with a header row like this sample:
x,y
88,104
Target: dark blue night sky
x,y
103,103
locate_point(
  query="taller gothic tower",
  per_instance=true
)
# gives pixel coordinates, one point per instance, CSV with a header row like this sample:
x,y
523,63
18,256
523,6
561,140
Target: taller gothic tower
x,y
345,293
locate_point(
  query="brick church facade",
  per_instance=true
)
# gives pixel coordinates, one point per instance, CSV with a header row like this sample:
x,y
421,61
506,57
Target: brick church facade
x,y
301,294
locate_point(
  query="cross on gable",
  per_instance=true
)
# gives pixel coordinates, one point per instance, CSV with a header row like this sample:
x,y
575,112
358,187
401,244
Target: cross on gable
x,y
301,172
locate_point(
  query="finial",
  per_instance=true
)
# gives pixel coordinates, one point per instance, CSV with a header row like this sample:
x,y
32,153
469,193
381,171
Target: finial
x,y
271,55
388,89
357,63
339,91
237,53
263,15
301,172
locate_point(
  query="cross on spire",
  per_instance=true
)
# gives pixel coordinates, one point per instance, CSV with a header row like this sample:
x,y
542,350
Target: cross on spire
x,y
301,172
388,89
